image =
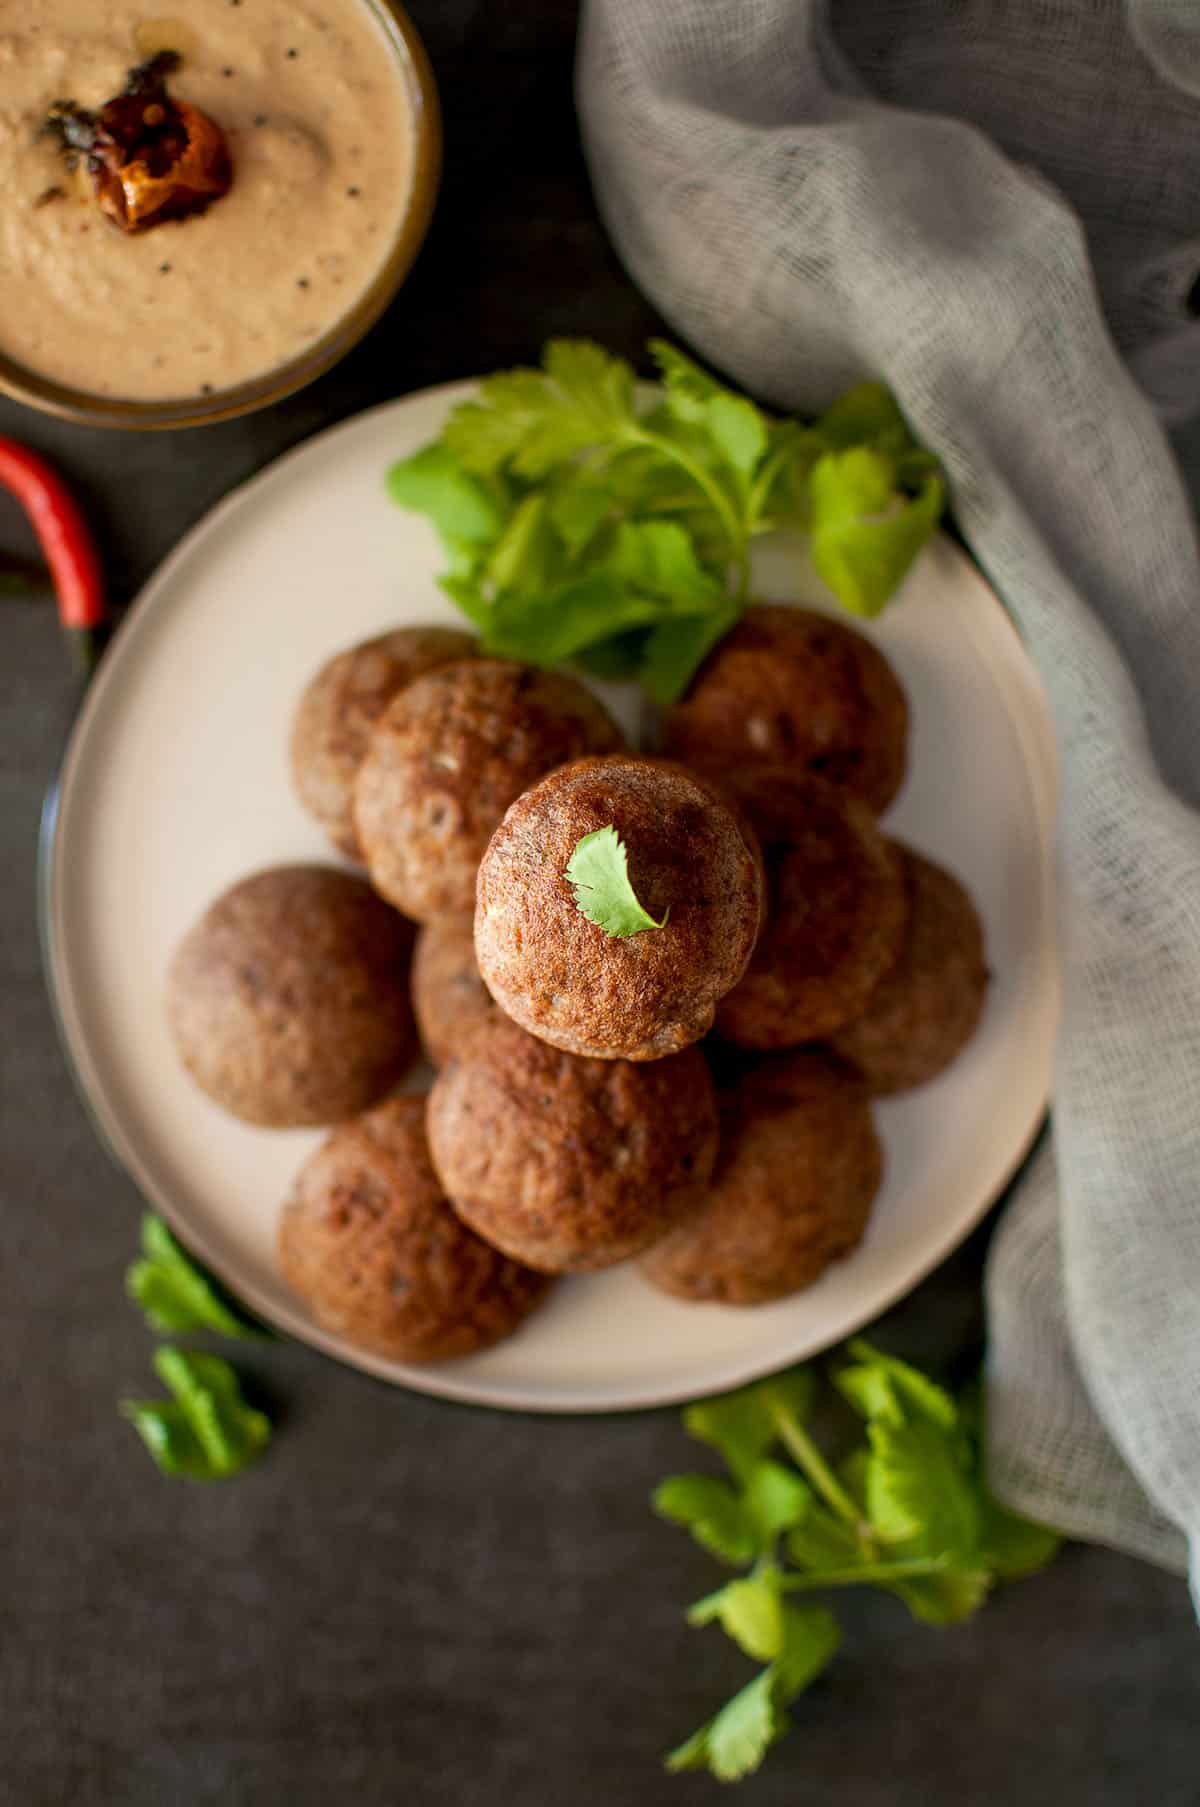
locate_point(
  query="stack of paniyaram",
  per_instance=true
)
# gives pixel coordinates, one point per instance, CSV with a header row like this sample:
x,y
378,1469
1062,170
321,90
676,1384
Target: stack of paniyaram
x,y
696,1096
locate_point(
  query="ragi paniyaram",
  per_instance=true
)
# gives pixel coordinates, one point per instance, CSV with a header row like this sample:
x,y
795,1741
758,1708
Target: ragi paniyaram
x,y
445,760
695,867
570,1164
288,1001
367,1238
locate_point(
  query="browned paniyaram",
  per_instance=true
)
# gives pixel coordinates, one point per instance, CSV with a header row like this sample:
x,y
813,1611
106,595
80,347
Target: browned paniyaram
x,y
835,917
570,1164
799,1166
150,157
566,980
450,1000
925,1010
445,760
341,705
288,1001
368,1239
792,687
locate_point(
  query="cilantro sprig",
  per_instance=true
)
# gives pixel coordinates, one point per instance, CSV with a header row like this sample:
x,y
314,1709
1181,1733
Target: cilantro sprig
x,y
598,872
586,520
175,1294
907,1511
204,1430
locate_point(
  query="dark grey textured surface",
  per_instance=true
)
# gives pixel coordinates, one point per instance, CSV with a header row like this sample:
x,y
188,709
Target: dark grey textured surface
x,y
412,1602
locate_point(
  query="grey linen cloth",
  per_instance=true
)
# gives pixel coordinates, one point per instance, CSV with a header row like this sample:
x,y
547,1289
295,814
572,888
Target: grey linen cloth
x,y
807,209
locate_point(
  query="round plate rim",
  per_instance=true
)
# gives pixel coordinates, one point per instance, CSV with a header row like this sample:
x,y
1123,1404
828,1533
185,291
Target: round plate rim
x,y
1031,725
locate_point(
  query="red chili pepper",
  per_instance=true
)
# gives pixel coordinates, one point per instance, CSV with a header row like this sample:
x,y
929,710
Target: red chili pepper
x,y
66,543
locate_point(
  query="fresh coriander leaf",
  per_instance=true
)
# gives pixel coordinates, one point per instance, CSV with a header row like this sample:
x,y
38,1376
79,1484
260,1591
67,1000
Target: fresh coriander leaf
x,y
919,1495
925,1535
689,388
707,1610
678,472
1012,1546
433,482
562,623
740,1425
913,466
596,382
852,1472
868,414
175,1294
695,397
676,649
945,1599
691,1754
865,533
167,1433
553,480
822,1542
751,1613
486,435
915,1391
658,558
793,1392
738,430
734,1743
743,1425
810,1639
528,557
869,1389
464,590
577,509
466,557
779,496
206,1431
598,872
776,1498
712,1512
530,420
648,479
619,657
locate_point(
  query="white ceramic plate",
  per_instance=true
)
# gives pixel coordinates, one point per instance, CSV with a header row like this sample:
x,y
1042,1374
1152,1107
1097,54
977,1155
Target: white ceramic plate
x,y
176,783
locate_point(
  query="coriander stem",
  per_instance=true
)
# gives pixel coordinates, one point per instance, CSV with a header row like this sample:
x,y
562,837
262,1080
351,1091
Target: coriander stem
x,y
805,1453
908,1570
761,487
743,568
716,495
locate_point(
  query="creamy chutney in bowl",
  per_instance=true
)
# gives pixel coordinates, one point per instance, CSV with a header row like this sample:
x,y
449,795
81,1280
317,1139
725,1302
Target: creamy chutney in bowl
x,y
328,117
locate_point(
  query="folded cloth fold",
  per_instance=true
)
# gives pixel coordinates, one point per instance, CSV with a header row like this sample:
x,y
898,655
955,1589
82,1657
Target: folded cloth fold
x,y
803,232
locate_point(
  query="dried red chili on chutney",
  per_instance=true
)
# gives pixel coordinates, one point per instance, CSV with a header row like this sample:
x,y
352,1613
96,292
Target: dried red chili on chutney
x,y
150,157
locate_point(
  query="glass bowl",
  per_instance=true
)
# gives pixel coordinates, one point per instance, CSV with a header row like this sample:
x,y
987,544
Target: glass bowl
x,y
25,385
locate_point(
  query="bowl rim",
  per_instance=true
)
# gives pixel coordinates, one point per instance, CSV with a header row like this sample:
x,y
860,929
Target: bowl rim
x,y
21,384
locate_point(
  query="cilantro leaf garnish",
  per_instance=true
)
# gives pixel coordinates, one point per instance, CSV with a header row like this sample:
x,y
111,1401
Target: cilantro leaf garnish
x,y
865,532
598,871
461,507
177,1295
750,1611
587,518
205,1431
713,1513
733,1743
907,1511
